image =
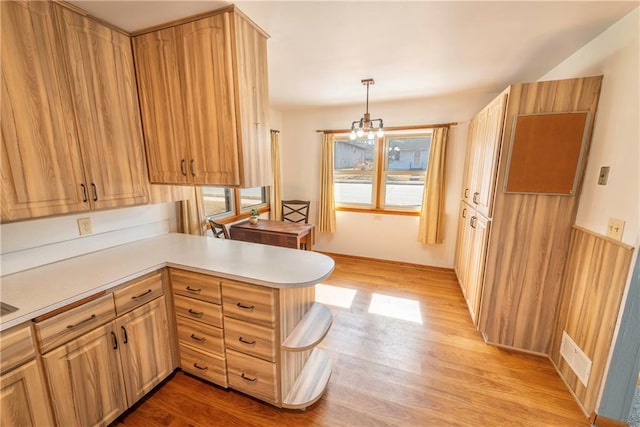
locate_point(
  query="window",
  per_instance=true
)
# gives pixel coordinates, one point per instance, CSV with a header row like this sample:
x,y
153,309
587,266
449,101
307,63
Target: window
x,y
220,203
382,174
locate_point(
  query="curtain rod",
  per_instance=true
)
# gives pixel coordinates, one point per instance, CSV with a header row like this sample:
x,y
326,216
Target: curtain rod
x,y
275,131
392,128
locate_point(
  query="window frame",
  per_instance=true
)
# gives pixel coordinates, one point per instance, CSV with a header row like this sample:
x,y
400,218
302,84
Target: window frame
x,y
237,213
380,173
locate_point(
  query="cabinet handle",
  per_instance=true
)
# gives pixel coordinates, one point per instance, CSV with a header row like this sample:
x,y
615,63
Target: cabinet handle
x,y
192,290
195,365
147,292
95,192
182,169
198,339
82,322
246,307
464,213
191,168
473,221
243,341
246,378
85,197
466,193
125,337
475,200
195,313
115,340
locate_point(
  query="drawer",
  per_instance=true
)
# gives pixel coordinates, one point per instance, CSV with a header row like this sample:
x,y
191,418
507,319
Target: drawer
x,y
251,303
138,292
279,240
253,376
71,324
207,366
200,336
194,285
17,347
251,339
198,310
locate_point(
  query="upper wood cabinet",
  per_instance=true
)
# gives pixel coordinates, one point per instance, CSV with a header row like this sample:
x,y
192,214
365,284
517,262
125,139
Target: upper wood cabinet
x,y
71,136
103,85
204,99
42,171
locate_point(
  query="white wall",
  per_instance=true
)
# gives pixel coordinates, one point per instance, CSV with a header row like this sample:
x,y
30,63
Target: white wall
x,y
616,134
391,237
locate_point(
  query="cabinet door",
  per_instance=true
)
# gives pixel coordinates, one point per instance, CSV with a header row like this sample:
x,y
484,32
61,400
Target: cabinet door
x,y
100,63
161,104
477,256
145,348
253,103
23,399
85,379
488,154
41,164
208,94
463,246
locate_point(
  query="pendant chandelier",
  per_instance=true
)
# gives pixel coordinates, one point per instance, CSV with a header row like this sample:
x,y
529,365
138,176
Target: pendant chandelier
x,y
366,124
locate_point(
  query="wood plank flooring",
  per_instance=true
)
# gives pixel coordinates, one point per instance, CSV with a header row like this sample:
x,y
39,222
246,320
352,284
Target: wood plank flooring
x,y
388,371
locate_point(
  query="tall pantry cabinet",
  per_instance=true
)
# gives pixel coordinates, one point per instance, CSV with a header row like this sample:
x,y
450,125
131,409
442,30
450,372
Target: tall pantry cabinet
x,y
71,135
204,98
512,246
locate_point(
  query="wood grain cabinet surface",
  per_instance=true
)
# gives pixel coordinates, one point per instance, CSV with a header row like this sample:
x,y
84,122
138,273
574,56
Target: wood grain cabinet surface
x,y
204,100
23,396
511,258
71,130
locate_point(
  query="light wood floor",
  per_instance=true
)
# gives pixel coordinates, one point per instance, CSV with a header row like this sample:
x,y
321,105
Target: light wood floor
x,y
389,371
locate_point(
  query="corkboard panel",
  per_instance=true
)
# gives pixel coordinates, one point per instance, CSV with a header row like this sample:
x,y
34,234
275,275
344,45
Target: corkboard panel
x,y
545,153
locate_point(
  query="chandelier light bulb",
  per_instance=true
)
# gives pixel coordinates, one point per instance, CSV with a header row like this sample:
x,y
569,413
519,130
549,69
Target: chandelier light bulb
x,y
380,132
360,133
370,135
352,135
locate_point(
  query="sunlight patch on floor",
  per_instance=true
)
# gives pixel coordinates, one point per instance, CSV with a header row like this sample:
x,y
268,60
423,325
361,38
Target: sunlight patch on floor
x,y
398,308
335,295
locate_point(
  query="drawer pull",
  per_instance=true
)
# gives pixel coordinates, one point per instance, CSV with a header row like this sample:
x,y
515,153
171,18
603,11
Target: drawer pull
x,y
82,322
246,307
243,341
246,378
475,198
196,313
145,293
192,290
195,365
198,339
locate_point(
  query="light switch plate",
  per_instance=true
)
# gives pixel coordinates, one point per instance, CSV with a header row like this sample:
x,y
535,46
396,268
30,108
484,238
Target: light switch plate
x,y
615,229
604,175
84,226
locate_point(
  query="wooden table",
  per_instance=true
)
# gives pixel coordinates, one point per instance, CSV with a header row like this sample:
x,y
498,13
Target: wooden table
x,y
276,233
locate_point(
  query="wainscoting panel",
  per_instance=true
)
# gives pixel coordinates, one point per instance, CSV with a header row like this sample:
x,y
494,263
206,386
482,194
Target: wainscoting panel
x,y
594,283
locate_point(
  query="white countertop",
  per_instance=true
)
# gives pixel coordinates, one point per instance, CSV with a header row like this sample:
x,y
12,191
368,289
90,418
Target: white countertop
x,y
40,290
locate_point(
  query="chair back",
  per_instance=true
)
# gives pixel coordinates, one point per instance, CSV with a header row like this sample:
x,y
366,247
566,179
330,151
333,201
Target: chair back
x,y
219,230
295,210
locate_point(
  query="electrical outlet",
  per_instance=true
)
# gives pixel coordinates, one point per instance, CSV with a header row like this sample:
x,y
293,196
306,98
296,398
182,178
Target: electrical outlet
x,y
615,229
84,226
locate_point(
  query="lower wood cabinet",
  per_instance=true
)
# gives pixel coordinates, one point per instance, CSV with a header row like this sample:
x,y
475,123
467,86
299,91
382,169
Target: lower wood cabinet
x,y
23,398
95,376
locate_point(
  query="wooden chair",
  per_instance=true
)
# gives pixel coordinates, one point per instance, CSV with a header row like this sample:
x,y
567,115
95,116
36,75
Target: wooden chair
x,y
295,211
219,230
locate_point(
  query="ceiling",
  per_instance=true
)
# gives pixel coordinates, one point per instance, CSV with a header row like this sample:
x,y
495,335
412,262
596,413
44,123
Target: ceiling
x,y
320,50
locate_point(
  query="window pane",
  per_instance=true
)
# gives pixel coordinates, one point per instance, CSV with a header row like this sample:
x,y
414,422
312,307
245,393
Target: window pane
x,y
408,153
353,189
252,197
217,200
354,155
404,190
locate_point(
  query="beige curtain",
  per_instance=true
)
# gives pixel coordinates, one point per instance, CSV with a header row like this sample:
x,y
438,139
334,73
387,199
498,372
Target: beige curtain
x,y
276,185
431,228
327,209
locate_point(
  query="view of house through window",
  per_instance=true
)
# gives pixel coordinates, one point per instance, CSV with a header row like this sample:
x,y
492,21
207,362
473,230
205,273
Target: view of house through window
x,y
221,202
385,173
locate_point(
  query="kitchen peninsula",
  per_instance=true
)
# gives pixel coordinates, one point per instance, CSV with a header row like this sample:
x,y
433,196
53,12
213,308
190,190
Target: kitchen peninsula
x,y
238,314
